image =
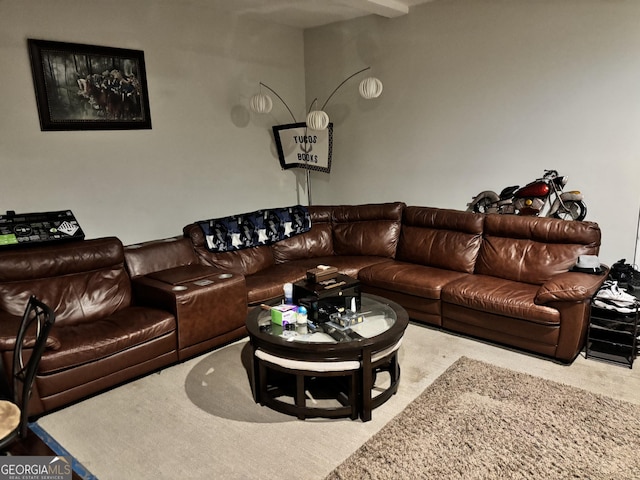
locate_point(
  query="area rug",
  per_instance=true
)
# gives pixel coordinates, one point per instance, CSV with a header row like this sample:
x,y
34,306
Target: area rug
x,y
479,421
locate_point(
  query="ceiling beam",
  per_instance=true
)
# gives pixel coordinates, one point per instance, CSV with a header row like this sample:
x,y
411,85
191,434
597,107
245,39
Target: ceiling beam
x,y
387,8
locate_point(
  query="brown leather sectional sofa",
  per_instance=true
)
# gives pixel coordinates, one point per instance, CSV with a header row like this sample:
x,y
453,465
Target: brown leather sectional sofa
x,y
126,311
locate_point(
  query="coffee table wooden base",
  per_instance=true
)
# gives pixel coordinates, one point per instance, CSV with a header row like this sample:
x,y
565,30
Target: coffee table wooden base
x,y
303,372
384,360
355,398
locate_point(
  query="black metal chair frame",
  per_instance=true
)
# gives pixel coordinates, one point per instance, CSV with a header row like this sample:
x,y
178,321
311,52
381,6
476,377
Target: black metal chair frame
x,y
24,373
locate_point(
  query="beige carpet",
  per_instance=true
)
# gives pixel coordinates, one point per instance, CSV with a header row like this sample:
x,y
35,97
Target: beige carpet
x,y
481,421
197,420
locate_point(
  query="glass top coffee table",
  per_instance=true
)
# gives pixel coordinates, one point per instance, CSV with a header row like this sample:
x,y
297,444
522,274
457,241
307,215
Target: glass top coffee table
x,y
330,372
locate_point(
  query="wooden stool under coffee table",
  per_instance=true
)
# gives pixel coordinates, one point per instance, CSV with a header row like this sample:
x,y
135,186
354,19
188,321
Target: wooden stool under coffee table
x,y
300,358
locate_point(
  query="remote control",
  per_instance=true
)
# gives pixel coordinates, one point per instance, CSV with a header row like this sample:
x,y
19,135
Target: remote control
x,y
353,335
336,334
313,328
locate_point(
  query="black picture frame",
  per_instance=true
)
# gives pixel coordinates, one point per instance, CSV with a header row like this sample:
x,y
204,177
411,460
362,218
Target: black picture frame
x,y
89,87
300,147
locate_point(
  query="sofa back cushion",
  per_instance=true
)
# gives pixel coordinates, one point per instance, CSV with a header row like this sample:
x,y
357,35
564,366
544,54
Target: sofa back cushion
x,y
242,262
448,239
157,255
532,249
318,242
372,229
81,281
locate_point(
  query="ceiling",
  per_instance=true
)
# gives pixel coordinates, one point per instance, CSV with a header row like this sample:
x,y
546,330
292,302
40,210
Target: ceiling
x,y
313,13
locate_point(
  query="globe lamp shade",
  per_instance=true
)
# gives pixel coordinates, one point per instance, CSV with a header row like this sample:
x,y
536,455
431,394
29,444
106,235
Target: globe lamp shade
x,y
261,103
370,88
317,120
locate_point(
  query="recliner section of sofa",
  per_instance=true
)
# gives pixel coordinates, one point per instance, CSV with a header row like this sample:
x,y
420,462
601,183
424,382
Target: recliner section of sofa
x,y
517,258
101,337
436,247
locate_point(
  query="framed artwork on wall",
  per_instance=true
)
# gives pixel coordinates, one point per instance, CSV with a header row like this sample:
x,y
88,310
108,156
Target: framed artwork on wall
x,y
88,87
301,147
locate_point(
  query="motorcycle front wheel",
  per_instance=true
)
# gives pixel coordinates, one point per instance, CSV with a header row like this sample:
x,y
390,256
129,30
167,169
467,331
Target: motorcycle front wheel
x,y
483,205
572,210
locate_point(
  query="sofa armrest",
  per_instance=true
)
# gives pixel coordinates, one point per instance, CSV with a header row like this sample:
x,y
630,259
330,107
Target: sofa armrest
x,y
156,255
204,309
569,287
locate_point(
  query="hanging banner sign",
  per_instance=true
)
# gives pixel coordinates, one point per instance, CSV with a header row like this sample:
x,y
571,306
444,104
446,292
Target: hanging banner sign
x,y
301,147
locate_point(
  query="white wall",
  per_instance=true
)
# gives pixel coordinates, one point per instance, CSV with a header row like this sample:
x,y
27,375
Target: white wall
x,y
478,94
206,155
481,94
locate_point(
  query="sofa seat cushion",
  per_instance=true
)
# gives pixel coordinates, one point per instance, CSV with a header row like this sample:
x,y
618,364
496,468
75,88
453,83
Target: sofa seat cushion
x,y
346,264
501,297
86,342
419,280
267,284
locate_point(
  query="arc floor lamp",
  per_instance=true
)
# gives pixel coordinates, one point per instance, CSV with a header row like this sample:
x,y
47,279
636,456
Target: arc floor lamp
x,y
316,120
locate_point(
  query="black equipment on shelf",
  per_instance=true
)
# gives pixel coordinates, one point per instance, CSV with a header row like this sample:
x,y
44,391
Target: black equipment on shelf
x,y
38,228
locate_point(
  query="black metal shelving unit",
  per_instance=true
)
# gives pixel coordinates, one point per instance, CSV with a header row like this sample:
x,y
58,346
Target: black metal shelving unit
x,y
612,336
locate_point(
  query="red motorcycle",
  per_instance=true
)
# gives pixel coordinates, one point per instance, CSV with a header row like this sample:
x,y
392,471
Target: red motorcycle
x,y
543,197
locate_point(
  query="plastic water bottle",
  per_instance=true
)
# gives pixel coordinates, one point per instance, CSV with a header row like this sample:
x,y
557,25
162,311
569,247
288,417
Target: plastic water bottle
x,y
288,293
301,318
